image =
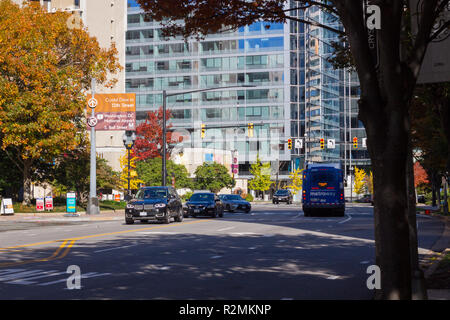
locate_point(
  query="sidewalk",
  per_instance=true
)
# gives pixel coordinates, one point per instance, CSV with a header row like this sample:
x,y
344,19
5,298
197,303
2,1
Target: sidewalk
x,y
437,275
63,216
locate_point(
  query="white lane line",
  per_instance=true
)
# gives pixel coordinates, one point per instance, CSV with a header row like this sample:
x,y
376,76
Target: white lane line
x,y
83,276
156,232
224,229
116,248
348,219
19,275
215,257
27,281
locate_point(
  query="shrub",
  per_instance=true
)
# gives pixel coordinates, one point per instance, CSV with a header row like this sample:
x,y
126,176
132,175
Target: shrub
x,y
249,197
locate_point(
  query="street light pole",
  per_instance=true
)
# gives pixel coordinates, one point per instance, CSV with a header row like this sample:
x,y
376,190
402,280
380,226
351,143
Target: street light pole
x,y
129,137
164,170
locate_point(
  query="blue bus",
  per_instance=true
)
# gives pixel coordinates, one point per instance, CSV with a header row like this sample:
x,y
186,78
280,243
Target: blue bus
x,y
323,189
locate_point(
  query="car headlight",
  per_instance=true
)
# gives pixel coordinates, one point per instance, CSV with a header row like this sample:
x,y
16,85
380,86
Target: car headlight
x,y
130,206
160,205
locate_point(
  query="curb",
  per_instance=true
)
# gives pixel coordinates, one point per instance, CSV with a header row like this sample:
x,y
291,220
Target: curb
x,y
59,216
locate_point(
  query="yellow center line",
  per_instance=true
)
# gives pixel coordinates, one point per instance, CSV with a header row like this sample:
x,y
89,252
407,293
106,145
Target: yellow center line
x,y
96,236
54,256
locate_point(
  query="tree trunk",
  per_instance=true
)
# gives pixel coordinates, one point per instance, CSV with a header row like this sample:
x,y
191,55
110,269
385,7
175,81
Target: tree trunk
x,y
433,189
418,286
388,149
27,196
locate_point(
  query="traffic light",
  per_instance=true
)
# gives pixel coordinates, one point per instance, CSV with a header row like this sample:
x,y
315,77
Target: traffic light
x,y
290,144
250,130
203,131
322,143
355,142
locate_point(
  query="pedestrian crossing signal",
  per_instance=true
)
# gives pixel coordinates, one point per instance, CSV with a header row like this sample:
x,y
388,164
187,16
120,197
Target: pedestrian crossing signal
x,y
322,143
355,142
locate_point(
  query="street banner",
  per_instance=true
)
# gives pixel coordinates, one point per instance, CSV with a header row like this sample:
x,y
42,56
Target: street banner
x,y
40,204
7,207
71,202
114,111
49,203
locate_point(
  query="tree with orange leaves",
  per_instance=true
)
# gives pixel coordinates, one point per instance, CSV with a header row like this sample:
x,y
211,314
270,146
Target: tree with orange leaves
x,y
46,66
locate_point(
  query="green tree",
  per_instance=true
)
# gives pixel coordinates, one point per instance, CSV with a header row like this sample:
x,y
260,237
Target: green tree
x,y
72,172
213,176
261,176
149,171
45,69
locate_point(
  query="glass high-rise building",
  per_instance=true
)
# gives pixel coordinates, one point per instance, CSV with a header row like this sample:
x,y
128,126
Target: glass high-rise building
x,y
281,82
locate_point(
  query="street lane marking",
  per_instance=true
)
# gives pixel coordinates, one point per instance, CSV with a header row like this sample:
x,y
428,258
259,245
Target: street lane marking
x,y
116,248
54,256
71,242
349,218
224,229
83,276
97,235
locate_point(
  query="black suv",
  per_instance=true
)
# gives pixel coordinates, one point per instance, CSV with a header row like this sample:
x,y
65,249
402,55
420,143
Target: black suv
x,y
154,203
282,195
204,203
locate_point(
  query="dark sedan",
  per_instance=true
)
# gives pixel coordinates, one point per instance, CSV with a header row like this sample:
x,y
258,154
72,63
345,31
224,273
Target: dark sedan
x,y
154,203
204,204
233,202
282,195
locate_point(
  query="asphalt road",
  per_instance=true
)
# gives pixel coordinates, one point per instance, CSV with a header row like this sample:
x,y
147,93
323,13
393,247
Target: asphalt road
x,y
274,252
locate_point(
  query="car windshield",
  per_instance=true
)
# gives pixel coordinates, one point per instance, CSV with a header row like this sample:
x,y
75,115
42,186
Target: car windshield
x,y
202,197
153,193
233,197
282,192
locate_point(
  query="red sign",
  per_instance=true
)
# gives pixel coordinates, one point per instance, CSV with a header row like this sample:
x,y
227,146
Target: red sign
x,y
40,204
48,203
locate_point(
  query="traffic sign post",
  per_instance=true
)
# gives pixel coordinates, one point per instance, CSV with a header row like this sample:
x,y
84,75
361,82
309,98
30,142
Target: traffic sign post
x,y
93,207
